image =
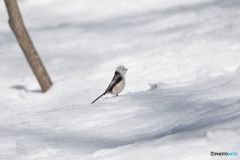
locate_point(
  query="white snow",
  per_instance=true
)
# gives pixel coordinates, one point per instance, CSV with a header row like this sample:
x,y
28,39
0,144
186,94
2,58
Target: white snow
x,y
181,101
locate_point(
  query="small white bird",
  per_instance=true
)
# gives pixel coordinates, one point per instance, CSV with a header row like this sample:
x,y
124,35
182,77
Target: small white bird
x,y
118,82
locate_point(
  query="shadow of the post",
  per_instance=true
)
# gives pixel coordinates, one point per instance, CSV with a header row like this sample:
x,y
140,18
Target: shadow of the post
x,y
21,87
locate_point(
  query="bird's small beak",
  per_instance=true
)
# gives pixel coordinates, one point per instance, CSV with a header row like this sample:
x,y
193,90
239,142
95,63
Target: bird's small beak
x,y
126,69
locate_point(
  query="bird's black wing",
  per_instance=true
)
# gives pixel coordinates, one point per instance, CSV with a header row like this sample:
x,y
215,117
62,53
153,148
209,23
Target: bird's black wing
x,y
116,79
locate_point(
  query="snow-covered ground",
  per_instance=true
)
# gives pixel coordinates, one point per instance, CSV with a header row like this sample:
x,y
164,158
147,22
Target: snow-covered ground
x,y
188,51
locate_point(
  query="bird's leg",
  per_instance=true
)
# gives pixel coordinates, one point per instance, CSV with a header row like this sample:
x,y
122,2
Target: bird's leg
x,y
117,94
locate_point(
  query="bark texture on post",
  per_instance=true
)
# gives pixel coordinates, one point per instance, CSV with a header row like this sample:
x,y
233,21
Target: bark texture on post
x,y
24,40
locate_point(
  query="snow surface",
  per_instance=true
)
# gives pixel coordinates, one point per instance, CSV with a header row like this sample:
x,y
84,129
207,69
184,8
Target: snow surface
x,y
187,51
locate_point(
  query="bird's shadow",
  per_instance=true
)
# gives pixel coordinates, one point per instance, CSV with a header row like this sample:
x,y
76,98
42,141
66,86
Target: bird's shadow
x,y
23,88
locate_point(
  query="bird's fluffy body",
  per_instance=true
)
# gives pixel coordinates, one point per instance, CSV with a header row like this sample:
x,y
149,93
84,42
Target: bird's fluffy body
x,y
119,87
118,82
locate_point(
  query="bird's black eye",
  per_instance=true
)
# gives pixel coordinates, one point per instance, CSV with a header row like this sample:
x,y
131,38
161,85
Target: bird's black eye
x,y
123,69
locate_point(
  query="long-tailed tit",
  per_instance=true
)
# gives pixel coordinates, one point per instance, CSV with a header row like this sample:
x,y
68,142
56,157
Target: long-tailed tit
x,y
118,82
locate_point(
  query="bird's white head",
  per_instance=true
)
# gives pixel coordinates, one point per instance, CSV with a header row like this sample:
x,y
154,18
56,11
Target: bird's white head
x,y
122,69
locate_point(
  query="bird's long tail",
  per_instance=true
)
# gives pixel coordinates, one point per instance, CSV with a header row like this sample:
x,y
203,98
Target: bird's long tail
x,y
99,97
